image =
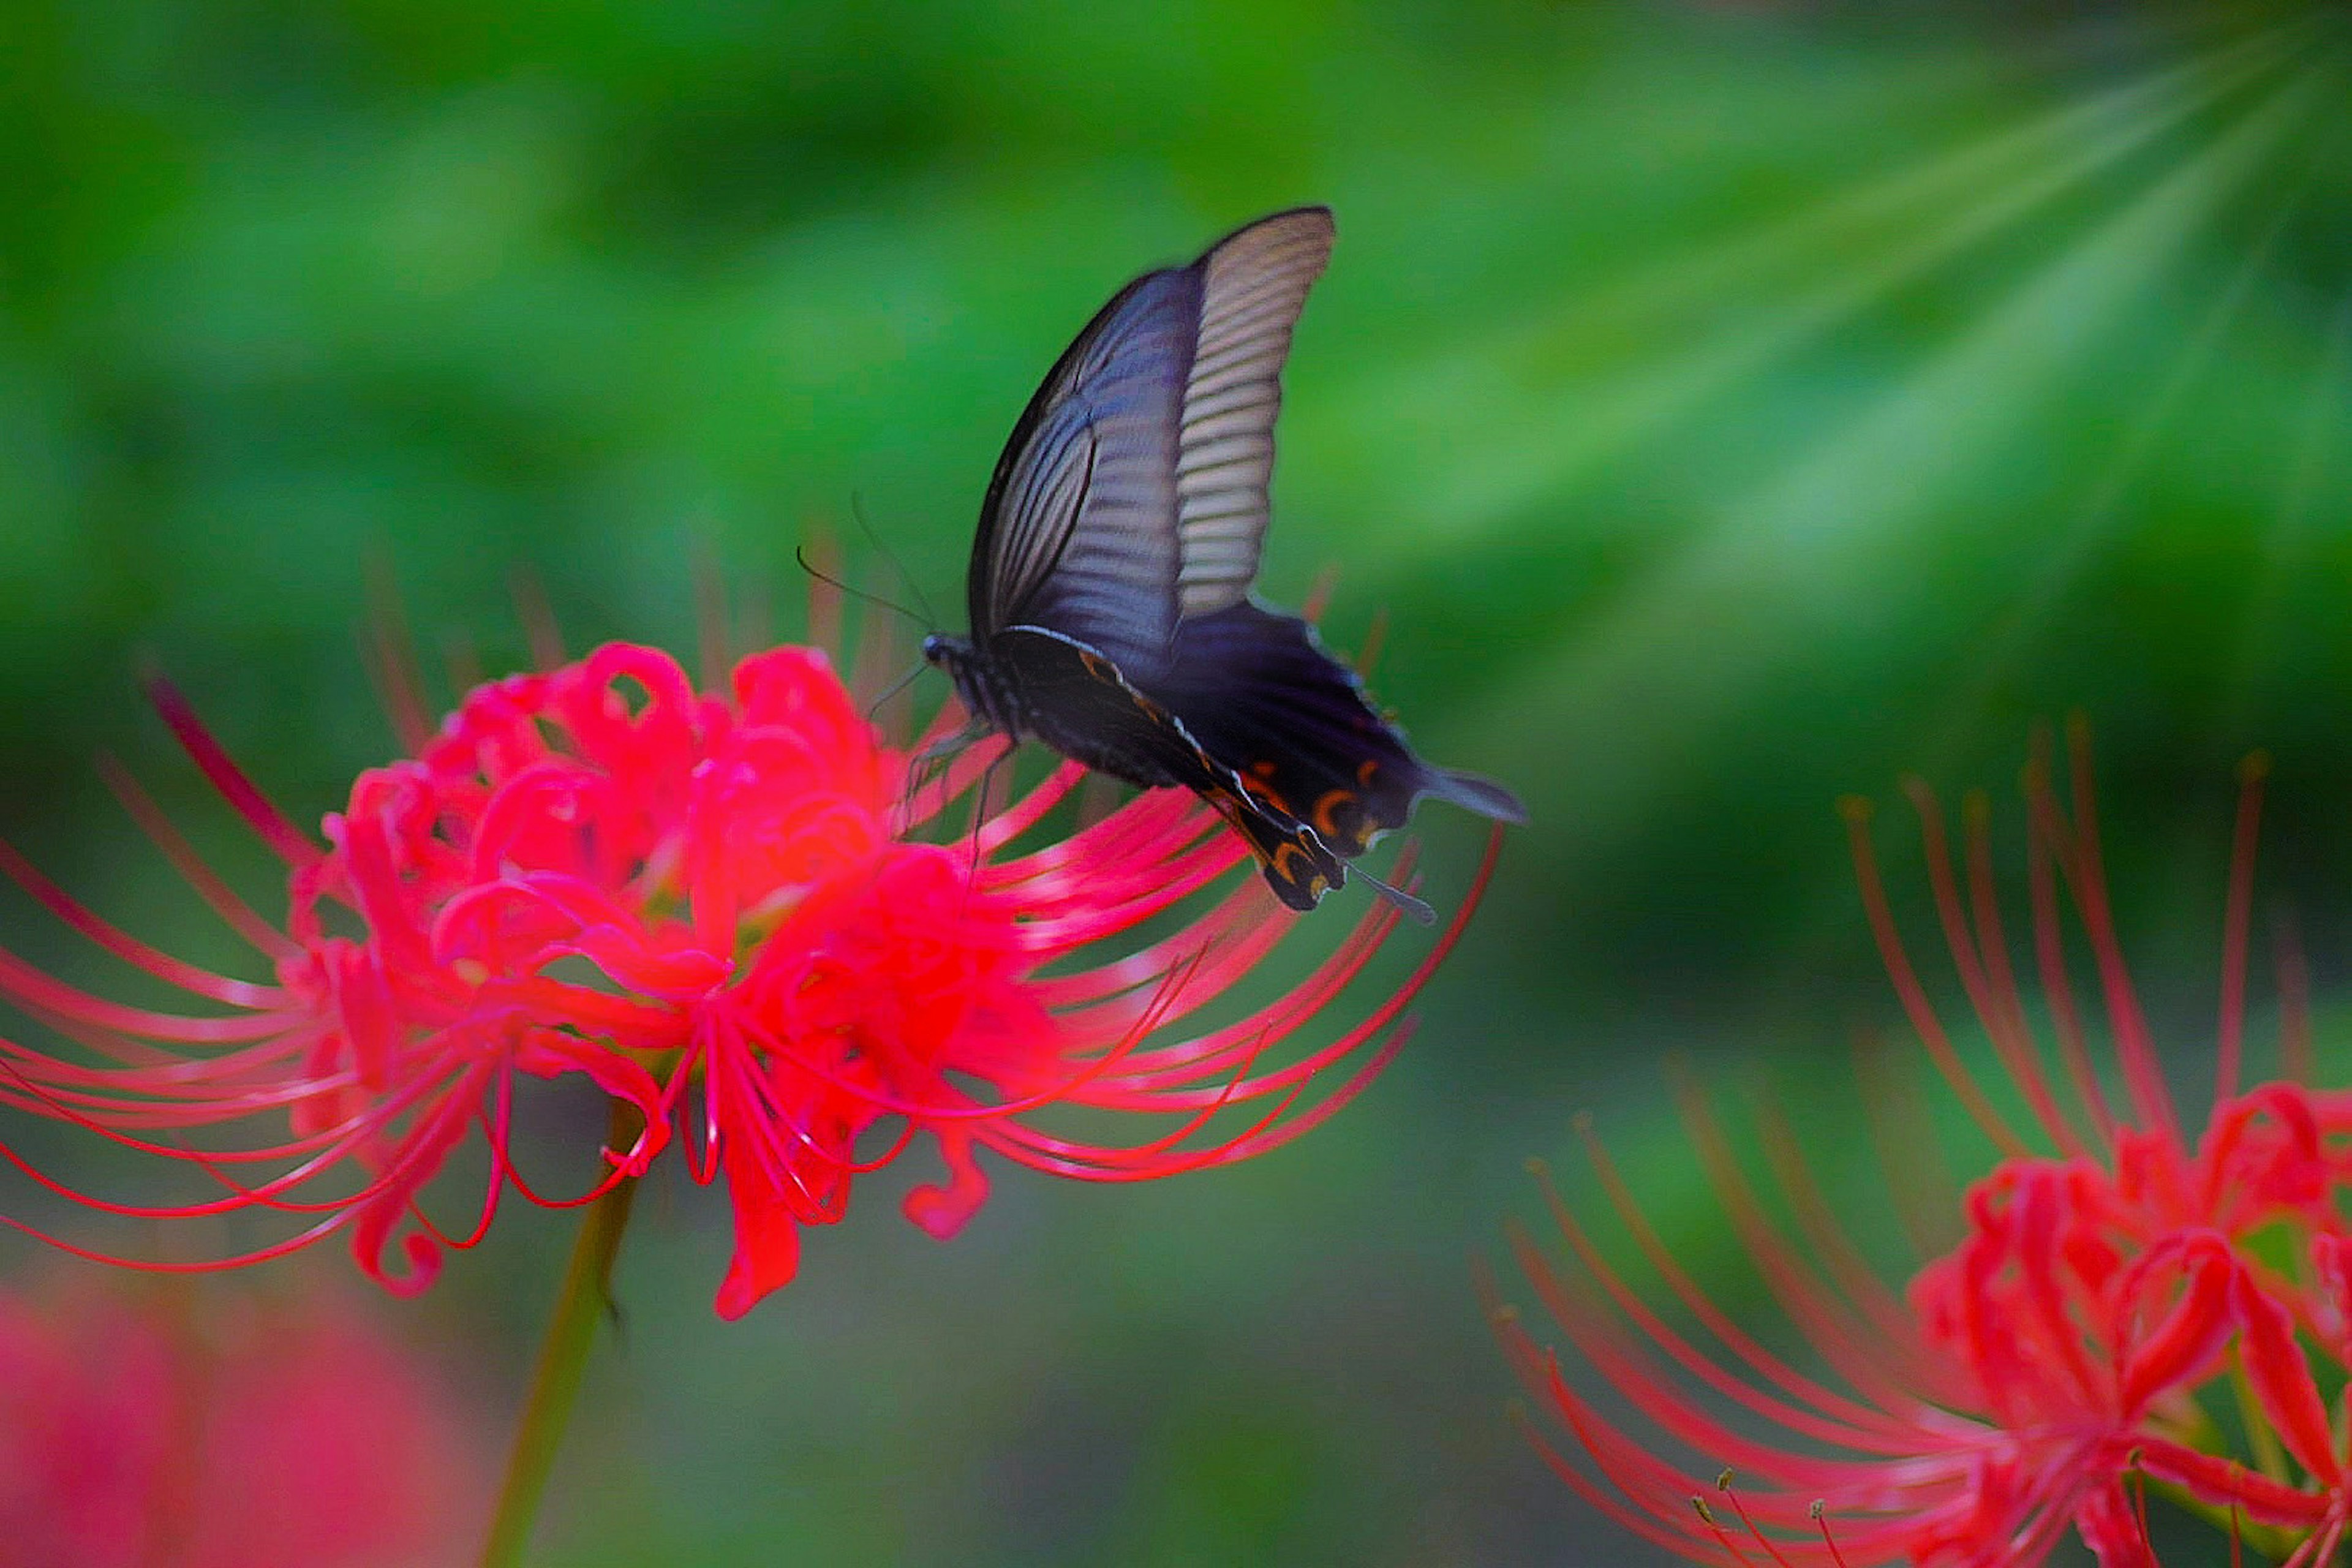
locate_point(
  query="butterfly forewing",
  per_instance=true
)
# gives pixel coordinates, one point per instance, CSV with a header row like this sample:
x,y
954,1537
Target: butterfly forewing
x,y
1076,533
1134,488
1254,284
1260,694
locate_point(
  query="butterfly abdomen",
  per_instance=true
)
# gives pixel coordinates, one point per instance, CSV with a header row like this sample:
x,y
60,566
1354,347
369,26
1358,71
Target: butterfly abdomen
x,y
1104,722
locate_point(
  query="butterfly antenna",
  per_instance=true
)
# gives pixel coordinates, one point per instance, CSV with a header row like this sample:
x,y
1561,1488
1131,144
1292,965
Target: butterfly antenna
x,y
799,553
1404,901
866,525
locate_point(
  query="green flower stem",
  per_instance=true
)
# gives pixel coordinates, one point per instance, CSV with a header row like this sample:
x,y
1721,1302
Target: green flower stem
x,y
586,1296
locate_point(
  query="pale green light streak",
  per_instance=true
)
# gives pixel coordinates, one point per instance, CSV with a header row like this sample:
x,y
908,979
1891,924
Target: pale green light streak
x,y
1995,659
1819,557
1511,449
2097,519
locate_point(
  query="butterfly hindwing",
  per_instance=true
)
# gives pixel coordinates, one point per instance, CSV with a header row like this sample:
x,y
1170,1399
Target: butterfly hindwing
x,y
1257,690
1298,866
1078,703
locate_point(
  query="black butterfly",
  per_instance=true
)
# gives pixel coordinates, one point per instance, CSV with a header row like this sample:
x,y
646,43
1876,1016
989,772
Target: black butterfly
x,y
1110,580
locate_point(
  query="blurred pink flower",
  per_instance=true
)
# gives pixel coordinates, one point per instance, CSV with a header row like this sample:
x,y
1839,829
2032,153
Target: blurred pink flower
x,y
2138,1307
209,1431
713,906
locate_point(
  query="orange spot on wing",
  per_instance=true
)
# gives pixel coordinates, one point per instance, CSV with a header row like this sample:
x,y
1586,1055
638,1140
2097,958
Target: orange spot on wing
x,y
1357,832
1284,863
1322,815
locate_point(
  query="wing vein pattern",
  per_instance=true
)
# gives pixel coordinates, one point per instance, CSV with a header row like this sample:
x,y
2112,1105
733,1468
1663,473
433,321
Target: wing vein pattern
x,y
1254,284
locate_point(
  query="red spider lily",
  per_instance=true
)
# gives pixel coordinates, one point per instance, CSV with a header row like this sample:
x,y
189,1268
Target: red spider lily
x,y
2138,1307
712,905
208,1431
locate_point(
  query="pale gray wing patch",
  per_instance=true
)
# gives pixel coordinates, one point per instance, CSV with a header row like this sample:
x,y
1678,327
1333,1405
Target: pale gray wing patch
x,y
1254,284
1089,506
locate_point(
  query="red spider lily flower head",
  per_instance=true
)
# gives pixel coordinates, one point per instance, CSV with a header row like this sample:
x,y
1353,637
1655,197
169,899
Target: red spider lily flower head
x,y
2132,1306
217,1431
715,906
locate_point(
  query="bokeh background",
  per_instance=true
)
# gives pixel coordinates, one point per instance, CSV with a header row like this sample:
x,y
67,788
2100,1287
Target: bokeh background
x,y
1726,408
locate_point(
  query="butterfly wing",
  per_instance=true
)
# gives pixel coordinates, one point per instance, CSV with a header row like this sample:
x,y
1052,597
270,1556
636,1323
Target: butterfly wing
x,y
1258,693
1133,490
1075,535
1082,707
1254,284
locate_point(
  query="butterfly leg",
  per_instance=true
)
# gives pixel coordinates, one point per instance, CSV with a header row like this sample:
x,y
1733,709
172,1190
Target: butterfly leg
x,y
929,764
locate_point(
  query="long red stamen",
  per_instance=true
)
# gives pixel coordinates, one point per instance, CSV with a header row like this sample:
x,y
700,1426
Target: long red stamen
x,y
1723,1484
2086,873
2237,916
1820,1512
267,820
1922,1014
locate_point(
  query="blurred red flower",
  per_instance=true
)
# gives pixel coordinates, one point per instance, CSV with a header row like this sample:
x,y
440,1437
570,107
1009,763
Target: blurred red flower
x,y
210,1431
2136,1308
712,905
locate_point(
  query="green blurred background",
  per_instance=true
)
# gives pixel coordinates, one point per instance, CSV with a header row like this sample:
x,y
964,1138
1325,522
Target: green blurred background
x,y
1727,407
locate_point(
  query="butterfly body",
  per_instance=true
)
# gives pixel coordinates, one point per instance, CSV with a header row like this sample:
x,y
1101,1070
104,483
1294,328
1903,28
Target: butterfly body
x,y
1109,589
1032,682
